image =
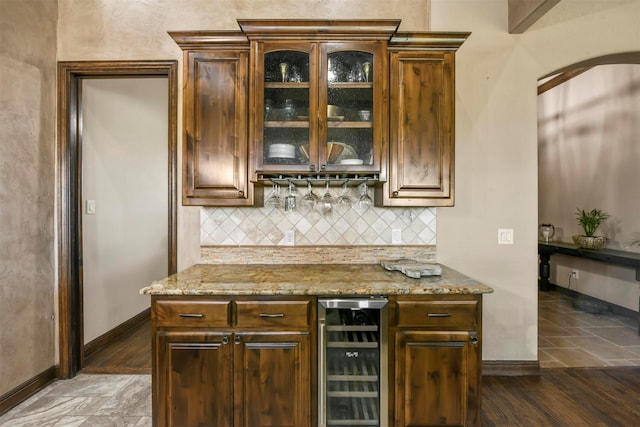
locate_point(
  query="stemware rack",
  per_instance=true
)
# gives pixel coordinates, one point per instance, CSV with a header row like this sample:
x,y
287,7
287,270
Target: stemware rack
x,y
320,179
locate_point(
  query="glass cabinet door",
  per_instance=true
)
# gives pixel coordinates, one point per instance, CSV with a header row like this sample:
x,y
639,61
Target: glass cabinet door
x,y
350,106
288,142
319,106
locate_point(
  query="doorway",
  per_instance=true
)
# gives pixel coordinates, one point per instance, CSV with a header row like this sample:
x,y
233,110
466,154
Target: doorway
x,y
71,206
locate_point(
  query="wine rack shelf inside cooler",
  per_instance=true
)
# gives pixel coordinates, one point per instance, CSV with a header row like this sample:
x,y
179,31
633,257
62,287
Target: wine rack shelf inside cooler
x,y
353,336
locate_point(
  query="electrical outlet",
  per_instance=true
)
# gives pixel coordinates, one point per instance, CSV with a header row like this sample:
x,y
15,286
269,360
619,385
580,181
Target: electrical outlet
x,y
575,274
396,236
289,237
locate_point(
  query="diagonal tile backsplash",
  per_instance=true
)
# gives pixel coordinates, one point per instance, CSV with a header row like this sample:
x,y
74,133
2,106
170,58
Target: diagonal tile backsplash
x,y
267,225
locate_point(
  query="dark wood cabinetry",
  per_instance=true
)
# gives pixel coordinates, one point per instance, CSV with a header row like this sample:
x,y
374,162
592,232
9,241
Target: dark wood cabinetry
x,y
299,97
252,361
216,120
421,147
437,361
240,362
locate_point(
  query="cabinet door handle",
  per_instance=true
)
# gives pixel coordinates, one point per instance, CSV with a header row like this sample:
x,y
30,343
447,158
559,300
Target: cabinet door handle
x,y
473,337
438,315
271,316
312,167
225,340
395,194
237,340
240,193
192,315
323,167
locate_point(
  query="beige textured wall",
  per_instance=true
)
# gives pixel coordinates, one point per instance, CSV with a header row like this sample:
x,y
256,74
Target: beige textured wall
x,y
27,113
589,157
496,142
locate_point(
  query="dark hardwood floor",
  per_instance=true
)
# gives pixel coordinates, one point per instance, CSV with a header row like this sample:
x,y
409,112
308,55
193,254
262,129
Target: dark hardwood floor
x,y
129,354
562,397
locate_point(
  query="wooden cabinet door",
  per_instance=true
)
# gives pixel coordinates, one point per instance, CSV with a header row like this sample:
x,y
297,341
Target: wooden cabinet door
x,y
421,142
272,373
194,375
216,150
436,378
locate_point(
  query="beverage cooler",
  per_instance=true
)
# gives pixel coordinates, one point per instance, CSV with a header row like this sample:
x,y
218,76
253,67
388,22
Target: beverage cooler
x,y
353,372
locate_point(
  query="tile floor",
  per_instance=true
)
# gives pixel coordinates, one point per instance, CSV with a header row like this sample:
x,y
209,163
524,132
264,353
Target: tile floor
x,y
87,400
568,337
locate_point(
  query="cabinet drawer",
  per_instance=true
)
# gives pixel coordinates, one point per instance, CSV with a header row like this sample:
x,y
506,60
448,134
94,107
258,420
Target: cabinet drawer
x,y
191,313
281,314
461,314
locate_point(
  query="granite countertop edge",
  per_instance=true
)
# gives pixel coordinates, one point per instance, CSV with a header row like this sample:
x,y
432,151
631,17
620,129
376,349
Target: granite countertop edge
x,y
309,279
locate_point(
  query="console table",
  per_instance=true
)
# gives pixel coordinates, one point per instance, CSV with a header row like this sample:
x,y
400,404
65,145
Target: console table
x,y
609,256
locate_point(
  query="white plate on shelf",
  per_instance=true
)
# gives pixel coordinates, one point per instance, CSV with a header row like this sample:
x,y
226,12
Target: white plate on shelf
x,y
352,162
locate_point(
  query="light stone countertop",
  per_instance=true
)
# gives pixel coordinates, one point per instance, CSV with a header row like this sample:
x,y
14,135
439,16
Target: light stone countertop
x,y
309,279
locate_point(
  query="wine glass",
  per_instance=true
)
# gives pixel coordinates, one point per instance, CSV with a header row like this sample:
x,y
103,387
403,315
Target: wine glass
x,y
275,199
284,71
364,202
366,67
344,202
290,199
308,201
327,201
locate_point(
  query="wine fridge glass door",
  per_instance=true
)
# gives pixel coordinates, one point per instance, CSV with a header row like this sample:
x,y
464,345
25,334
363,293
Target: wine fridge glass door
x,y
353,362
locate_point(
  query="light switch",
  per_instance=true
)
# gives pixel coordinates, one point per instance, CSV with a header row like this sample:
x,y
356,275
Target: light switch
x,y
91,207
505,236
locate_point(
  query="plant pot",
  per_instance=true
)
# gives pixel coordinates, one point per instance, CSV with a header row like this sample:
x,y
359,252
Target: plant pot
x,y
590,242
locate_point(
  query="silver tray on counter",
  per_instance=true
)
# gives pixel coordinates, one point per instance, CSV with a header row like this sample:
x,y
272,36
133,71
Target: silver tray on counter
x,y
412,268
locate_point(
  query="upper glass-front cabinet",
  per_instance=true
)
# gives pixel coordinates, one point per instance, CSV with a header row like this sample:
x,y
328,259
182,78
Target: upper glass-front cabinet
x,y
322,106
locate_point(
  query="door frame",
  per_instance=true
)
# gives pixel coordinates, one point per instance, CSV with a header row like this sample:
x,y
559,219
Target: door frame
x,y
69,189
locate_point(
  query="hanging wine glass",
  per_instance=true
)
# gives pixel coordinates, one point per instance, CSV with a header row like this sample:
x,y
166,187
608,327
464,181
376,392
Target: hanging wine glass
x,y
275,199
327,201
290,199
364,202
344,202
308,201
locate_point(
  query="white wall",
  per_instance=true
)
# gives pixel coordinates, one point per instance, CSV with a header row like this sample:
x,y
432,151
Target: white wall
x,y
589,157
496,141
124,169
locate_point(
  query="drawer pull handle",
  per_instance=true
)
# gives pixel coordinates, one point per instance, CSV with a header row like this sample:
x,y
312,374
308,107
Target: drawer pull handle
x,y
192,315
225,340
438,315
271,316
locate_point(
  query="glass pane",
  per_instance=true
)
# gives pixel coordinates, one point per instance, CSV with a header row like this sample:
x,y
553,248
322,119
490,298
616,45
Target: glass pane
x,y
353,367
286,108
350,109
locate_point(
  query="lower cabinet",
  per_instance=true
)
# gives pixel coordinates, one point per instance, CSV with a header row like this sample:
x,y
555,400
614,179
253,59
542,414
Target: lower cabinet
x,y
437,361
195,379
251,362
232,362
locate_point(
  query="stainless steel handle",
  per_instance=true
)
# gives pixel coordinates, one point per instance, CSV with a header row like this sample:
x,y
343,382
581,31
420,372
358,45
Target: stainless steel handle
x,y
322,374
192,315
438,315
237,340
271,316
225,340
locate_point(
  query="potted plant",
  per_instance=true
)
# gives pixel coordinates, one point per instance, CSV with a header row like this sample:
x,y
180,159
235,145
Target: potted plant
x,y
590,221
